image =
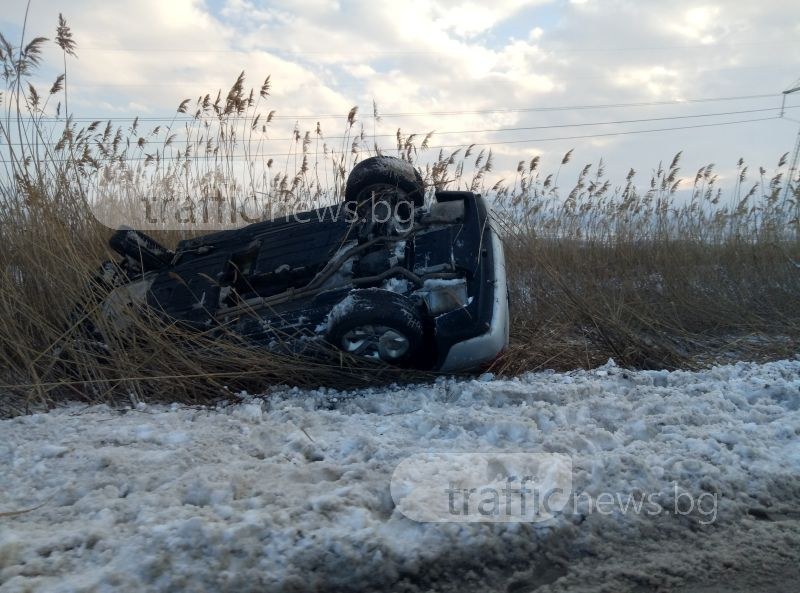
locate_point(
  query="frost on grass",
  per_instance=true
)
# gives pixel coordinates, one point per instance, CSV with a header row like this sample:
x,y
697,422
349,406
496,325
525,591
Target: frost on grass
x,y
289,491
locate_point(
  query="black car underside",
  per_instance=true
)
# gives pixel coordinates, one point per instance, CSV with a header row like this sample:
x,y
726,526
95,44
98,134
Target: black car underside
x,y
284,281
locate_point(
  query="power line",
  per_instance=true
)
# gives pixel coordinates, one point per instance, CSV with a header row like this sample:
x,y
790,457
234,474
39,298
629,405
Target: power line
x,y
463,145
793,88
726,123
443,113
493,130
494,81
278,50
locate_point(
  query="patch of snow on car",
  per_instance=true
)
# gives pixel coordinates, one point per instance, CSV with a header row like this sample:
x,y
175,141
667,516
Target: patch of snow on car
x,y
341,310
433,283
399,285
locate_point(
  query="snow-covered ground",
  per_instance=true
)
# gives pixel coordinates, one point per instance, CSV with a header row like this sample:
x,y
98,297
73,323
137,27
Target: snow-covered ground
x,y
290,491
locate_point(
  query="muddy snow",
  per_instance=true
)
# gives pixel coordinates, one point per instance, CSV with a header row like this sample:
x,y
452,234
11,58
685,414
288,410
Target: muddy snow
x,y
686,481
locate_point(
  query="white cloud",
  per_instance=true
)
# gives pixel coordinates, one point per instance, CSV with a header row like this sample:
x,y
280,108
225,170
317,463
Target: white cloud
x,y
450,55
360,70
700,23
657,80
467,19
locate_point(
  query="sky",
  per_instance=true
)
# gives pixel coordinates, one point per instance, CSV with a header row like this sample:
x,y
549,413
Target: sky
x,y
465,69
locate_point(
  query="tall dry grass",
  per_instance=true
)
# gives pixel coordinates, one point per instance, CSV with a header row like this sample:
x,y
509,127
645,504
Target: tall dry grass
x,y
650,277
55,342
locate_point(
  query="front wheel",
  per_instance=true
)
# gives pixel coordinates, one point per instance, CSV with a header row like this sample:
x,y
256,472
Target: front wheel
x,y
377,324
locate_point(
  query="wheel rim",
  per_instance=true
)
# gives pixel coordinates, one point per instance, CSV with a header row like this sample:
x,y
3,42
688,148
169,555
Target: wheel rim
x,y
377,341
379,202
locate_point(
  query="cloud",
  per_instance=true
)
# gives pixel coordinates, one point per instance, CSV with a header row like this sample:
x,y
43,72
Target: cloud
x,y
452,56
467,19
701,23
658,81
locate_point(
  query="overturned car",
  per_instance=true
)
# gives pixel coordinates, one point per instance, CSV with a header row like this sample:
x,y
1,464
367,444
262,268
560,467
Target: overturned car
x,y
380,275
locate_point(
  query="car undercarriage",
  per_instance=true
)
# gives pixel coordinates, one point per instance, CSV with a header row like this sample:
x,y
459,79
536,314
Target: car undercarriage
x,y
381,275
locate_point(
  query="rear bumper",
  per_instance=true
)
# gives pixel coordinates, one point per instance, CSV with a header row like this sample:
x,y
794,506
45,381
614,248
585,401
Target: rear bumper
x,y
484,348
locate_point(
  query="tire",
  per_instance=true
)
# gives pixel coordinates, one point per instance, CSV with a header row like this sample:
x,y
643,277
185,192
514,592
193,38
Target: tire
x,y
379,324
384,173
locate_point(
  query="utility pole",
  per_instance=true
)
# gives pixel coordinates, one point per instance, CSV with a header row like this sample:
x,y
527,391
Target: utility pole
x,y
796,155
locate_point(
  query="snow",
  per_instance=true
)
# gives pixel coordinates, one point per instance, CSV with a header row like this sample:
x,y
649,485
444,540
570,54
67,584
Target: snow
x,y
434,283
341,310
344,272
398,285
290,490
444,294
399,251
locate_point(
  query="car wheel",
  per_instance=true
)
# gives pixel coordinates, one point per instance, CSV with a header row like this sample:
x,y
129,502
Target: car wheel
x,y
384,176
377,324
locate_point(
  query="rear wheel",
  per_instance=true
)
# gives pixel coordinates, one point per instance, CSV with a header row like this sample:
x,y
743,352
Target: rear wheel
x,y
386,178
377,324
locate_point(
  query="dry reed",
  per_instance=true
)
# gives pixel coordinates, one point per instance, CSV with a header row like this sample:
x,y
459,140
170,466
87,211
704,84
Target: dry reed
x,y
653,278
